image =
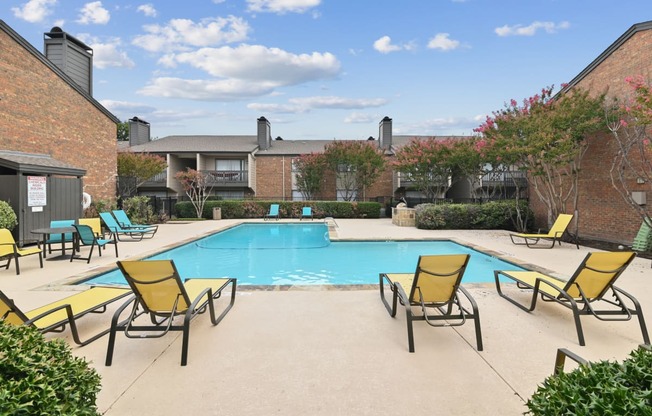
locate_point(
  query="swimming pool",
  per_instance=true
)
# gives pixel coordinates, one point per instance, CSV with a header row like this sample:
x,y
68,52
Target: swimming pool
x,y
302,254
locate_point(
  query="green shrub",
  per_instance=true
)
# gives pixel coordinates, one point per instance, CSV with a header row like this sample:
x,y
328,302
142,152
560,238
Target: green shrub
x,y
139,210
8,218
604,388
39,377
232,209
487,216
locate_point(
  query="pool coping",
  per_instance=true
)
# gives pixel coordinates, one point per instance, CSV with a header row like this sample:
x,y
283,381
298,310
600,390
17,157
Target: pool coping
x,y
74,283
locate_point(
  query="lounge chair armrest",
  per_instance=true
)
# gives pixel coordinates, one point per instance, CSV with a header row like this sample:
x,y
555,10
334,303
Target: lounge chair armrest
x,y
49,312
560,359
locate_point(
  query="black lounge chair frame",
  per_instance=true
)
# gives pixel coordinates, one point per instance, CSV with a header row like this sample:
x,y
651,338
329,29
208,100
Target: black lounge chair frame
x,y
163,323
60,327
452,312
621,313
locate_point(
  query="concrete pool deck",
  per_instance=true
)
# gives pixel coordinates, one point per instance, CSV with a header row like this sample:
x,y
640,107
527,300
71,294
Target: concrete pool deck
x,y
310,351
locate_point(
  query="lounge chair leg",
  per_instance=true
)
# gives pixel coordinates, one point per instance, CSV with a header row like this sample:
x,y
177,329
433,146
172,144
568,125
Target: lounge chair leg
x,y
578,326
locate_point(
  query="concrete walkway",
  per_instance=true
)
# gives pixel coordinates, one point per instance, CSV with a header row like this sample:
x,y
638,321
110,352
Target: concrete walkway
x,y
312,351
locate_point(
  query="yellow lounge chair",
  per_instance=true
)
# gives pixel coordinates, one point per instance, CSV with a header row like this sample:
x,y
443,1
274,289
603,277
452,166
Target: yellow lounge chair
x,y
55,316
9,250
434,285
556,232
592,280
162,295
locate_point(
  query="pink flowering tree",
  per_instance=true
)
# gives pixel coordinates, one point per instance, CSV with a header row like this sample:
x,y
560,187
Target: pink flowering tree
x,y
197,186
629,122
428,163
309,174
545,136
358,164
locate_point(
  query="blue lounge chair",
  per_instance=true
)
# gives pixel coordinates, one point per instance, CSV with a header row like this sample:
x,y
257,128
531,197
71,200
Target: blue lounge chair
x,y
88,238
125,222
273,212
306,212
115,228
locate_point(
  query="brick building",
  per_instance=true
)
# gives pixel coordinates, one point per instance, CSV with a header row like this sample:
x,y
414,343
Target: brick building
x,y
46,108
603,214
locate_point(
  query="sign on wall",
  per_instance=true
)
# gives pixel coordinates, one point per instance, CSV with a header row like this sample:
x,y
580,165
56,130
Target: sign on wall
x,y
36,191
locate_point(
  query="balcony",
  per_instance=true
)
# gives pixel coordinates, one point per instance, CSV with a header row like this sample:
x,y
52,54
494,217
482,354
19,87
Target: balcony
x,y
508,179
227,178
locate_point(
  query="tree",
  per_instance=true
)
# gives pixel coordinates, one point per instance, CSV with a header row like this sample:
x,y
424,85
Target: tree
x,y
546,136
629,123
123,131
197,185
428,163
358,164
309,171
136,168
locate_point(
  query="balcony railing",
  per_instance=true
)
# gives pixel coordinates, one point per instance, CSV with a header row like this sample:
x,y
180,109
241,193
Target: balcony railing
x,y
227,177
505,179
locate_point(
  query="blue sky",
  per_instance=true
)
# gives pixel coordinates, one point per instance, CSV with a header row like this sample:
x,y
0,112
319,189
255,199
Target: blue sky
x,y
323,69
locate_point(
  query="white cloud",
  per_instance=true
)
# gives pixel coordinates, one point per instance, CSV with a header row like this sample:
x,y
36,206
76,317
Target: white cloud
x,y
128,107
34,10
306,104
520,30
94,13
107,53
147,9
338,102
442,41
384,45
275,108
205,90
181,34
360,118
261,64
282,6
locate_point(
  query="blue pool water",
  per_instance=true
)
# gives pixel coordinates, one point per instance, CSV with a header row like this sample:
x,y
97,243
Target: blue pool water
x,y
301,254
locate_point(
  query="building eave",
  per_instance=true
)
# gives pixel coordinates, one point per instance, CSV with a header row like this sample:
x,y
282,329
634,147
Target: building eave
x,y
38,55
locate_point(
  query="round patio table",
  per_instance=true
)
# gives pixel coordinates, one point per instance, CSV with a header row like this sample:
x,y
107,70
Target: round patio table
x,y
45,232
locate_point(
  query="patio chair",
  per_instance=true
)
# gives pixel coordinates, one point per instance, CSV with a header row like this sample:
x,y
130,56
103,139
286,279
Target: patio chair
x,y
273,212
162,295
116,230
124,221
9,250
434,288
554,234
57,238
306,212
54,316
88,238
593,279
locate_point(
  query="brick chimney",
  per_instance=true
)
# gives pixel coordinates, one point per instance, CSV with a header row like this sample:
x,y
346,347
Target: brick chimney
x,y
264,134
385,133
138,131
72,56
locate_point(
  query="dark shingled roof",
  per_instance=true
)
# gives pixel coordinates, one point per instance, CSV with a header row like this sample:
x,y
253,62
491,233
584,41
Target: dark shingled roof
x,y
37,163
202,144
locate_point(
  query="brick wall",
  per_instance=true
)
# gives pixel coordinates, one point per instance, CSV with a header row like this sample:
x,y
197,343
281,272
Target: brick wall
x,y
269,185
603,213
41,113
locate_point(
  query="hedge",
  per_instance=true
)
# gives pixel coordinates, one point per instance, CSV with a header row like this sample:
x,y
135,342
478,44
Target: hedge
x,y
232,209
40,377
604,388
487,216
